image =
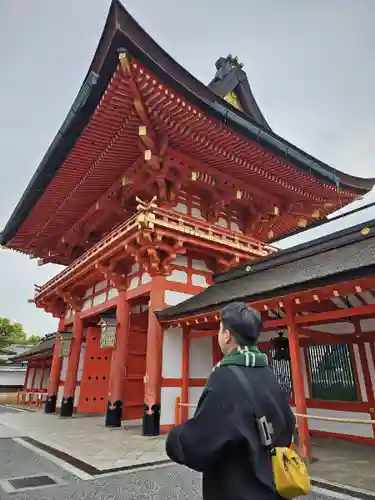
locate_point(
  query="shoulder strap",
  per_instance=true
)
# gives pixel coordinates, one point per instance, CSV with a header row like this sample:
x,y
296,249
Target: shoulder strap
x,y
264,427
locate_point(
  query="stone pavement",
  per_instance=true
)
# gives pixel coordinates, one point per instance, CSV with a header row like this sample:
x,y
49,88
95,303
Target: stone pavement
x,y
167,483
86,439
343,462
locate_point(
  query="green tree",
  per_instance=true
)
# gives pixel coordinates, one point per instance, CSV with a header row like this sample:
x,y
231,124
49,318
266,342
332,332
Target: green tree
x,y
13,333
33,339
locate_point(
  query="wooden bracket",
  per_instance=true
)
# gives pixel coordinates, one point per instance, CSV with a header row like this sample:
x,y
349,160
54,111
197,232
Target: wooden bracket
x,y
118,278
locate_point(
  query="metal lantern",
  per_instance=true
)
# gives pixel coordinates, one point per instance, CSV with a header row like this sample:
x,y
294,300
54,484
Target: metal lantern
x,y
108,324
65,343
281,346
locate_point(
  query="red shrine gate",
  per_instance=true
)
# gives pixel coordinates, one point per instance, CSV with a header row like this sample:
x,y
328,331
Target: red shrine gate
x,y
222,186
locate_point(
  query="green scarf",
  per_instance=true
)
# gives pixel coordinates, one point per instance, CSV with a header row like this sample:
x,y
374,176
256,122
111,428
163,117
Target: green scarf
x,y
249,356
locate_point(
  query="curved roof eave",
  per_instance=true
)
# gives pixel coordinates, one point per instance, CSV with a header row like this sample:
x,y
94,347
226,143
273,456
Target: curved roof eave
x,y
121,31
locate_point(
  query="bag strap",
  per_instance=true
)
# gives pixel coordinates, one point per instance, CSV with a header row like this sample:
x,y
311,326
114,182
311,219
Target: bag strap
x,y
264,427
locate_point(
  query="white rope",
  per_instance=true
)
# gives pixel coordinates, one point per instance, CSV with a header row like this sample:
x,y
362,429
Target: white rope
x,y
314,417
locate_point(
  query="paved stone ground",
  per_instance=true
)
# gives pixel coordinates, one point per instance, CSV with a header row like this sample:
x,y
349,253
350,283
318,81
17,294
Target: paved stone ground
x,y
164,483
345,463
88,440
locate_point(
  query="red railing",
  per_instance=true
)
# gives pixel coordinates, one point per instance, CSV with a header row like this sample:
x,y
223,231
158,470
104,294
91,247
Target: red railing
x,y
154,218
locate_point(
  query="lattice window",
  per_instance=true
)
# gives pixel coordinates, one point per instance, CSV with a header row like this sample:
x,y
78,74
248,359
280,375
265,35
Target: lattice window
x,y
332,373
282,371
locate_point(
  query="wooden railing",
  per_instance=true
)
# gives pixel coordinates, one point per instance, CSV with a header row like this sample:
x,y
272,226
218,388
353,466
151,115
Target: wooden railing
x,y
179,406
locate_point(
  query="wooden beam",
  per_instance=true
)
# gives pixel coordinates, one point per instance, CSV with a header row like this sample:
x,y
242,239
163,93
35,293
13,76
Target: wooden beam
x,y
323,317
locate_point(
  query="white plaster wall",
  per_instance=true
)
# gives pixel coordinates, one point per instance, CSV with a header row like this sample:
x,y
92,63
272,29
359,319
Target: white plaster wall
x,y
361,378
200,357
199,265
180,260
194,395
371,365
76,396
146,278
168,403
81,361
100,286
196,212
60,394
28,380
199,280
99,299
86,304
38,374
64,367
9,377
172,353
46,377
364,430
178,276
304,371
112,292
173,298
134,282
180,207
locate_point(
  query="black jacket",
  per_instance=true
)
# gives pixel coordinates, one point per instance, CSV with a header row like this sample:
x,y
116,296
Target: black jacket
x,y
222,439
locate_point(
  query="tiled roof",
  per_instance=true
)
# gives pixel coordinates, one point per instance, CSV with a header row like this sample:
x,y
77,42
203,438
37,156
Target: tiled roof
x,y
280,275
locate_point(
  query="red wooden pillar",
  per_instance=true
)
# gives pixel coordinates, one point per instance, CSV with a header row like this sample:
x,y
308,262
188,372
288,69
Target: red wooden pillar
x,y
67,403
185,375
42,373
26,377
298,383
116,384
365,370
33,376
152,407
54,376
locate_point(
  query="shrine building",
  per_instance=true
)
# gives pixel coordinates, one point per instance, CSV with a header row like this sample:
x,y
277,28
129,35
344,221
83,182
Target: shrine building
x,y
154,184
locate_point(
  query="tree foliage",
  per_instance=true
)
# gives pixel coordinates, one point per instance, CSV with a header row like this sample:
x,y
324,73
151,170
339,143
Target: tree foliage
x,y
13,333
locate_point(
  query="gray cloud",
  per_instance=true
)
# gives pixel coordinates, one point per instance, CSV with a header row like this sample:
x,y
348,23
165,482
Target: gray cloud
x,y
310,65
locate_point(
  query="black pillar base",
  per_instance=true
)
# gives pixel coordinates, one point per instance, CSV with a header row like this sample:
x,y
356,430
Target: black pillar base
x,y
67,405
114,415
50,405
151,421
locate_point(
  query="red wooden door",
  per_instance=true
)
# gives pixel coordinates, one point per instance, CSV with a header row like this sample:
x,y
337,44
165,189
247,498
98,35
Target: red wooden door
x,y
135,368
95,376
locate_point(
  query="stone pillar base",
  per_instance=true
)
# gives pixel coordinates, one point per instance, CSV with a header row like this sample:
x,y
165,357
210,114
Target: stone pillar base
x,y
50,405
114,414
151,420
67,405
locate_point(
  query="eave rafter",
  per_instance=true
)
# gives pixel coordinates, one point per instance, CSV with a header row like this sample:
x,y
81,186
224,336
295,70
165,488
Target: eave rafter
x,y
214,146
316,305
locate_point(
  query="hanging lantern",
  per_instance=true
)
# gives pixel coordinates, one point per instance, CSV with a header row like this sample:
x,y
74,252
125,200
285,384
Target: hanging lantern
x,y
65,343
281,346
108,324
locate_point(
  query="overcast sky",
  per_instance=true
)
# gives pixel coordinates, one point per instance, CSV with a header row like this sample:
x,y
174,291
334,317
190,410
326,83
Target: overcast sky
x,y
310,64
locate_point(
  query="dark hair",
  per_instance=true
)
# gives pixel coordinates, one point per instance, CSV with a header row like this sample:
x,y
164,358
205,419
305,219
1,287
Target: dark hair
x,y
242,321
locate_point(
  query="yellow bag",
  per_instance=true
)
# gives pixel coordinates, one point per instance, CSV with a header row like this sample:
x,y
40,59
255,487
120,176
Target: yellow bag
x,y
289,473
289,470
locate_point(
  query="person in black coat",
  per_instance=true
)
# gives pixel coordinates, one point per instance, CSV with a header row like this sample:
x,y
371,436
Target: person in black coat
x,y
222,439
